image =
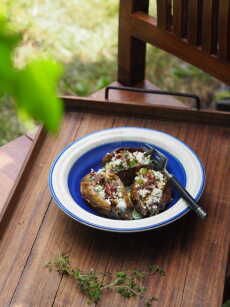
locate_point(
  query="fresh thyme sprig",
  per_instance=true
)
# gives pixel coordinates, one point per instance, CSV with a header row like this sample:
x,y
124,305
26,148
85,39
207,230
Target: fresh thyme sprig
x,y
92,283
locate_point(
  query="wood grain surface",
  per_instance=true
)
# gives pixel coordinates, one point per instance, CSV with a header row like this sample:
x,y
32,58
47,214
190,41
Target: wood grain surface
x,y
224,30
210,32
194,21
192,252
164,15
131,51
141,98
12,157
180,15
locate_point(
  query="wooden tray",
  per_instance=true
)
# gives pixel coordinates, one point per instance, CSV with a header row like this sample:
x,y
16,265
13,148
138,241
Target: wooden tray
x,y
192,252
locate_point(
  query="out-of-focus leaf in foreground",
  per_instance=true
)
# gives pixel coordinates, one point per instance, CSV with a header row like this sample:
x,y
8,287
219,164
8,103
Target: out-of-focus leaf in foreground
x,y
36,92
34,86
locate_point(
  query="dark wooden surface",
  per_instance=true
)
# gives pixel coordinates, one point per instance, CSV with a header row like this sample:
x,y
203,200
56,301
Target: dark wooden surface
x,y
224,30
164,14
12,158
164,112
131,51
210,32
192,252
194,16
141,98
179,17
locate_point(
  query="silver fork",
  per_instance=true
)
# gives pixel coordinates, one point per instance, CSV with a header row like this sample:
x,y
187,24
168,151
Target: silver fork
x,y
159,163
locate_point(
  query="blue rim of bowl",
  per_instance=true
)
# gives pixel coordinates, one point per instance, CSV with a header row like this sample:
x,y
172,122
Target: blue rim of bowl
x,y
123,230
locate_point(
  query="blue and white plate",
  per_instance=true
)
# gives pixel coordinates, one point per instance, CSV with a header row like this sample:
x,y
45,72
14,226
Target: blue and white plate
x,y
86,153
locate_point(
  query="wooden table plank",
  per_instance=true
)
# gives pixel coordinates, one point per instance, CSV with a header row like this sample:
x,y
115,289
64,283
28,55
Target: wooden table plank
x,y
43,253
200,276
12,157
37,231
140,98
32,134
28,214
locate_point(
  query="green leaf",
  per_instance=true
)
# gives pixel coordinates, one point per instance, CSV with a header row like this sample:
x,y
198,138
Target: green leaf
x,y
143,171
140,181
132,163
8,42
226,304
121,274
36,92
156,269
136,215
34,87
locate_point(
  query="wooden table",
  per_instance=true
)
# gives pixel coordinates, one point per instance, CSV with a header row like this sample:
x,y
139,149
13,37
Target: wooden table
x,y
192,252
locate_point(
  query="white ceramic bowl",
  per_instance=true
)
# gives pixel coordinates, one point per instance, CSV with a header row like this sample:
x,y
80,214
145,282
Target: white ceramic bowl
x,y
77,159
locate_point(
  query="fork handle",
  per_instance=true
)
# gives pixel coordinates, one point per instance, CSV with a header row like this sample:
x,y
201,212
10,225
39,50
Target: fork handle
x,y
191,201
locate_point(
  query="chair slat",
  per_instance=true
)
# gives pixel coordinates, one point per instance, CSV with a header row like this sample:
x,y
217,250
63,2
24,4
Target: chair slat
x,y
131,51
180,17
194,21
164,16
224,29
210,25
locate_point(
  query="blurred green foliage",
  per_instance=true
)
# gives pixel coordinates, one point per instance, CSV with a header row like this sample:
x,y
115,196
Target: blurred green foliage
x,y
219,95
226,304
34,86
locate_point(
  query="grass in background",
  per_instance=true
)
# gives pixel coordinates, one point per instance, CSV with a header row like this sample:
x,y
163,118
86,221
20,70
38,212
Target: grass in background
x,y
10,127
82,34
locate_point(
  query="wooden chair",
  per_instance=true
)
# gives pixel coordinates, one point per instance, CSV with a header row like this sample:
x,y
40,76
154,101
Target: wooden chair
x,y
195,31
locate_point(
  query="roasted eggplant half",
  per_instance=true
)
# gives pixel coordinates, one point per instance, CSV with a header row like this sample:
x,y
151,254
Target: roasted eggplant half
x,y
150,192
125,162
105,192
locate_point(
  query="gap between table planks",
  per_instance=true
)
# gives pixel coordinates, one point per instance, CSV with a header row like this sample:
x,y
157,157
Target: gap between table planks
x,y
43,231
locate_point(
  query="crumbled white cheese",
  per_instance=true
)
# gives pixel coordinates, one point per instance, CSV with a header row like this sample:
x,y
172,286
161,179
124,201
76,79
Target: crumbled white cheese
x,y
141,157
143,192
102,194
121,205
154,197
101,170
108,201
158,175
99,188
115,163
119,194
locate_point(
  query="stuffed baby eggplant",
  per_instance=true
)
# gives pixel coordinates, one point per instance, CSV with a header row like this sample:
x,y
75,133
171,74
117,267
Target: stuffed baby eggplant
x,y
125,162
150,192
105,192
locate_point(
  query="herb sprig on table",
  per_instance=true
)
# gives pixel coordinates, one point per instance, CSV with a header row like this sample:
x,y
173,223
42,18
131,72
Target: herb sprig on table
x,y
92,283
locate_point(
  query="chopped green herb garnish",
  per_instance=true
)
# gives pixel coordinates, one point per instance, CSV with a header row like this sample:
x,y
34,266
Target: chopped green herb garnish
x,y
143,171
92,283
156,269
140,181
119,167
132,163
136,215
